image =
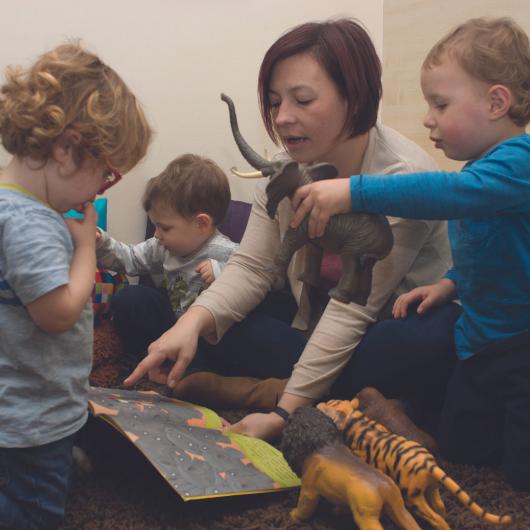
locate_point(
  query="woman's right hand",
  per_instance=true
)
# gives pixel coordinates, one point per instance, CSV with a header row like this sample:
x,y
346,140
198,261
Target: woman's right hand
x,y
177,344
429,296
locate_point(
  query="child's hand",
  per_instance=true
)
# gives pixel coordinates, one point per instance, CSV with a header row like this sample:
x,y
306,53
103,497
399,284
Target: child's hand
x,y
205,269
321,200
429,295
83,229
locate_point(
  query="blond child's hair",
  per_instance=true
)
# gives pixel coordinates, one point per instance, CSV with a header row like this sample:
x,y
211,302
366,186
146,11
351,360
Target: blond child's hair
x,y
493,50
189,185
69,88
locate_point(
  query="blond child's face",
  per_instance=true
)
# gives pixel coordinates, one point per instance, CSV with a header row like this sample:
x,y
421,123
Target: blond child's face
x,y
458,116
179,235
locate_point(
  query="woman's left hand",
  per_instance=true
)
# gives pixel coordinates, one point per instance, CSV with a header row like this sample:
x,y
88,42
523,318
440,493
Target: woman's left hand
x,y
268,426
321,200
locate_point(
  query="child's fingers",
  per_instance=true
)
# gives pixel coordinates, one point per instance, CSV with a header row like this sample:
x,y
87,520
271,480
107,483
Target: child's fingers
x,y
302,204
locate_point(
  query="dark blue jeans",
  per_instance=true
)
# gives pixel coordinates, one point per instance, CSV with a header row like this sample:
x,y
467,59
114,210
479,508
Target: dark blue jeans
x,y
486,416
262,345
33,485
410,358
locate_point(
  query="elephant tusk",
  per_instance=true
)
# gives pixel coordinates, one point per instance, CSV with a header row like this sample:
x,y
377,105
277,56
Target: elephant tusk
x,y
249,175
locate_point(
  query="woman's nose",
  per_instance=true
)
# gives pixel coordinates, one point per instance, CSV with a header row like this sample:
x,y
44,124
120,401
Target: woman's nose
x,y
284,115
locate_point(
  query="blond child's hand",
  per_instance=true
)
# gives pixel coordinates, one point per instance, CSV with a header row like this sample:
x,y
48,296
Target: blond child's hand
x,y
83,229
429,296
205,269
321,200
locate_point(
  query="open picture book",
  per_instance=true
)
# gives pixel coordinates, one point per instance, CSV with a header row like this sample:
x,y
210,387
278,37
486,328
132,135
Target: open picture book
x,y
186,445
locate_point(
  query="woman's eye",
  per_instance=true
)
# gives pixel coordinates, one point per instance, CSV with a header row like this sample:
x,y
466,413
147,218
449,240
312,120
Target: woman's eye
x,y
274,104
304,102
441,106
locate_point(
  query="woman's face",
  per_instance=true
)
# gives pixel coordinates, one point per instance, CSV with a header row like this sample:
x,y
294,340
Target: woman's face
x,y
308,111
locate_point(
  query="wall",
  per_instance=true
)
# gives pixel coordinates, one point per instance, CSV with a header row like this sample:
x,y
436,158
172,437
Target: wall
x,y
177,56
410,29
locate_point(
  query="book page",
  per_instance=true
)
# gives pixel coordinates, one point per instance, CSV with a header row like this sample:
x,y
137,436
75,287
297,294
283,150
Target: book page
x,y
185,444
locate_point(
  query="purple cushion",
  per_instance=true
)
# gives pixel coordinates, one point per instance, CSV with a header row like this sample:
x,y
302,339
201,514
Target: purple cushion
x,y
232,226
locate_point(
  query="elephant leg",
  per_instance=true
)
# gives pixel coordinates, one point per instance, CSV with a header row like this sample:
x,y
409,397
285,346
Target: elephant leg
x,y
293,239
347,288
313,260
365,280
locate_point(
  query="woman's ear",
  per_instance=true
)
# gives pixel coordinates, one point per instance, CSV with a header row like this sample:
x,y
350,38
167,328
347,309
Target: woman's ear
x,y
204,221
500,100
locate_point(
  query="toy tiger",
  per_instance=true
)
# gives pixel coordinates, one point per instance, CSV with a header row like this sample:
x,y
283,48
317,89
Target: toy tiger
x,y
412,467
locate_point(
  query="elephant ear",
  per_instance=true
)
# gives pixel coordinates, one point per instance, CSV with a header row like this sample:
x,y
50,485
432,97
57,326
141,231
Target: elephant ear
x,y
322,171
282,183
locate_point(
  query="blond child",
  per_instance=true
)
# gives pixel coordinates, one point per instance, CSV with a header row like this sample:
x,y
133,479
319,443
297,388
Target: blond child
x,y
185,203
72,125
476,81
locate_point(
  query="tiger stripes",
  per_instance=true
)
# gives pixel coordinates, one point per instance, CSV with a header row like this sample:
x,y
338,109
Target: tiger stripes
x,y
413,468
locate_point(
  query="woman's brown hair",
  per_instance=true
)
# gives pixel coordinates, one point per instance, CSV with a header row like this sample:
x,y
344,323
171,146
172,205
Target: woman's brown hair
x,y
346,52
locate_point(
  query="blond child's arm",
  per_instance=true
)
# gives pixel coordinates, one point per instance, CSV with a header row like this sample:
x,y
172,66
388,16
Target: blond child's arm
x,y
428,296
58,310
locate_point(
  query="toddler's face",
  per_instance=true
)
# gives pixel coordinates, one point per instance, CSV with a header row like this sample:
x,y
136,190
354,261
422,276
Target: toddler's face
x,y
458,114
180,236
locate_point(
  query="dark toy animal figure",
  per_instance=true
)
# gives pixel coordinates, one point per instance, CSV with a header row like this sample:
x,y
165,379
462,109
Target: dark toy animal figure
x,y
313,447
360,239
412,467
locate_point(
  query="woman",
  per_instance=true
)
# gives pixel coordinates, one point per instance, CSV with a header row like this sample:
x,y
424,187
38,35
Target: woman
x,y
320,87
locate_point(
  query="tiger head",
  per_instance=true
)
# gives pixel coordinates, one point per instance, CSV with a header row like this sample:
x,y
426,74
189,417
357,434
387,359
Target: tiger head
x,y
339,410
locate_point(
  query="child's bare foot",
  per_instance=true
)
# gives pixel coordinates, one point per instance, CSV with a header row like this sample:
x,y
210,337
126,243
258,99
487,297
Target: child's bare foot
x,y
391,414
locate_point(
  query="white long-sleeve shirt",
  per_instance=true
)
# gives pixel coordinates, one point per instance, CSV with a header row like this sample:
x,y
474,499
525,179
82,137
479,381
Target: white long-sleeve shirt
x,y
420,256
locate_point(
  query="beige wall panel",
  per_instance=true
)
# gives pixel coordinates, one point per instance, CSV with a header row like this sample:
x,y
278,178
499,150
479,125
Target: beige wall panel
x,y
410,29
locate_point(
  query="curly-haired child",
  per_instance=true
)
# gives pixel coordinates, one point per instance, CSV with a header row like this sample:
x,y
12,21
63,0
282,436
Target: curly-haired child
x,y
72,126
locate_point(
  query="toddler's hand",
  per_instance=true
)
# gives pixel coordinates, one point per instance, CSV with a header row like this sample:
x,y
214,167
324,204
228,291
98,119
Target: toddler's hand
x,y
83,229
321,200
205,269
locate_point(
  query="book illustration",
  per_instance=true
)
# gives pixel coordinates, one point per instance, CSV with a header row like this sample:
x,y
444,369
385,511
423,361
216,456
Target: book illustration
x,y
186,445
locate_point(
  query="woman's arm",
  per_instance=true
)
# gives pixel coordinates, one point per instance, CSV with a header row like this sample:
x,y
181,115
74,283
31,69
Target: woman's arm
x,y
249,275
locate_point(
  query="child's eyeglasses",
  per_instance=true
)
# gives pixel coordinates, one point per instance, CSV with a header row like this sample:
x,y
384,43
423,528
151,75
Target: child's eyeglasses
x,y
113,178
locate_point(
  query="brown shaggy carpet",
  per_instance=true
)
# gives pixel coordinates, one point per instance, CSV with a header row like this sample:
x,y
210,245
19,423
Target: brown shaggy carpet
x,y
123,491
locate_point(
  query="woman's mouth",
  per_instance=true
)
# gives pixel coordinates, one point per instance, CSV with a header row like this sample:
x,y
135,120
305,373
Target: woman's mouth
x,y
293,141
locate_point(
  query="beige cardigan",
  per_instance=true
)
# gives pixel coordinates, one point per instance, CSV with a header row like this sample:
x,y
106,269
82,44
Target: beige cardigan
x,y
420,255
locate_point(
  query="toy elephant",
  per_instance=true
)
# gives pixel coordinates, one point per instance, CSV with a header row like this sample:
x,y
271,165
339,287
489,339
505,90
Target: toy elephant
x,y
360,239
313,448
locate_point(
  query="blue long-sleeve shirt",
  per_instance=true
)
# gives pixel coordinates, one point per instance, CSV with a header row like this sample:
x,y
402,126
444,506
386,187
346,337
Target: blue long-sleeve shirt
x,y
488,205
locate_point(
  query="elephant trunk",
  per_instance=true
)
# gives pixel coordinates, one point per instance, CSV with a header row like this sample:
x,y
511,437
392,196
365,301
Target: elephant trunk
x,y
255,160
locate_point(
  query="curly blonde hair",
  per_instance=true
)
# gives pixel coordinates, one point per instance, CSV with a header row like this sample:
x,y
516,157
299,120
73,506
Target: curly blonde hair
x,y
493,50
69,88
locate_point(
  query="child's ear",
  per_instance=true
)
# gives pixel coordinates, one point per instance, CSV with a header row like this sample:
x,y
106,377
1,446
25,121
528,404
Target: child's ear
x,y
500,100
204,221
63,148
